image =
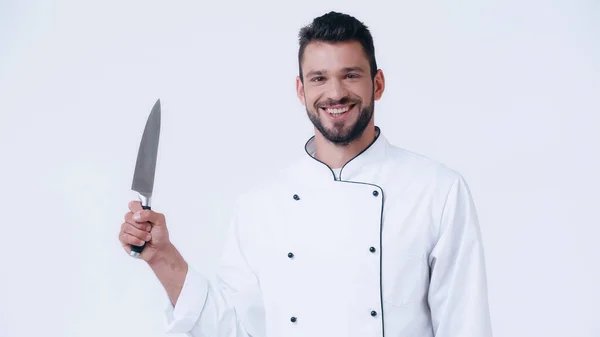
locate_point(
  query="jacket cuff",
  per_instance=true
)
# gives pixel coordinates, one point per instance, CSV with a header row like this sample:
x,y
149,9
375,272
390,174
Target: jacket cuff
x,y
182,317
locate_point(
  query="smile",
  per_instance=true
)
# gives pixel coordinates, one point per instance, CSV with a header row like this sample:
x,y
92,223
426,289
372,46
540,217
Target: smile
x,y
337,110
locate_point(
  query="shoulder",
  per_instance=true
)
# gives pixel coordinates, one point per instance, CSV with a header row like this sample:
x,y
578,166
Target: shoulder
x,y
421,168
428,178
443,188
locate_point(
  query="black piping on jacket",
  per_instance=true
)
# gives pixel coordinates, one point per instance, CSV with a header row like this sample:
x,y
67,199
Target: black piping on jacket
x,y
380,216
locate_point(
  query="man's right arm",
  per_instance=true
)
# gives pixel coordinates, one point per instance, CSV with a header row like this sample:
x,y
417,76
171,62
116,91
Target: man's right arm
x,y
229,305
171,269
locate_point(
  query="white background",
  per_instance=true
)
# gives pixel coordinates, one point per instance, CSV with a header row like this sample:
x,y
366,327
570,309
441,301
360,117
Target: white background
x,y
506,92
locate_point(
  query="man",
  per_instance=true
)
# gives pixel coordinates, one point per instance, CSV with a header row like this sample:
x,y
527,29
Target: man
x,y
357,238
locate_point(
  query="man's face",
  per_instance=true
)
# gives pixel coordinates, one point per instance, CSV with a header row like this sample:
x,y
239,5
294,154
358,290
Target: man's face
x,y
338,91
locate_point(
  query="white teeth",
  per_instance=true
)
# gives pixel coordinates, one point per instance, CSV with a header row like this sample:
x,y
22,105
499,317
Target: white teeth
x,y
337,112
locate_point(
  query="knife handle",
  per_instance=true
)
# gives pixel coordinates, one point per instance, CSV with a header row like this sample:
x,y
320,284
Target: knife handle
x,y
136,251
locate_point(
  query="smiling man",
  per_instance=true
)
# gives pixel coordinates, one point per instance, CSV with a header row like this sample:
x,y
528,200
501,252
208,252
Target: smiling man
x,y
357,238
339,88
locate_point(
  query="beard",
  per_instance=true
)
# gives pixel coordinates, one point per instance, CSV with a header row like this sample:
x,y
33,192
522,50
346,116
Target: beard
x,y
342,133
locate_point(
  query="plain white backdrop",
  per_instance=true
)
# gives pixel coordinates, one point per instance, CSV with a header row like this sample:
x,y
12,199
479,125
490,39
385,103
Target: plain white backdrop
x,y
506,92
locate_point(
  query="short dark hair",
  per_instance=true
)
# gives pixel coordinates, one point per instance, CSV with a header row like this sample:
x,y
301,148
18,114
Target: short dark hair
x,y
337,27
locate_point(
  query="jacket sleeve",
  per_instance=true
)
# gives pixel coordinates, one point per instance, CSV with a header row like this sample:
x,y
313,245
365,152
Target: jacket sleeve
x,y
228,305
458,283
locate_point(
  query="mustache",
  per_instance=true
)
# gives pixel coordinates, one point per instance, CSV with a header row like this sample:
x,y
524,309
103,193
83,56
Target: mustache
x,y
330,102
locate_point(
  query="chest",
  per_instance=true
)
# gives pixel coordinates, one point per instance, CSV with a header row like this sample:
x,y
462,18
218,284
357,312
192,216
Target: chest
x,y
341,252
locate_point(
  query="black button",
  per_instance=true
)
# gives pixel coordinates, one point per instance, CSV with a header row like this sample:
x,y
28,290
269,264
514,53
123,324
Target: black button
x,y
373,313
293,319
372,249
296,197
290,255
375,193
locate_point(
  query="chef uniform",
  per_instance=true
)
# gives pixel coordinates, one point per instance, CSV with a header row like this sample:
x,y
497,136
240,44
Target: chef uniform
x,y
389,248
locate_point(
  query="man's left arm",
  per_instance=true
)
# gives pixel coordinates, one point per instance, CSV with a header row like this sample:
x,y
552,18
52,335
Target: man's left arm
x,y
458,295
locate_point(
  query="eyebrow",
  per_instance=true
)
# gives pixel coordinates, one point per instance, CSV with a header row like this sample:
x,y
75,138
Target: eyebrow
x,y
344,70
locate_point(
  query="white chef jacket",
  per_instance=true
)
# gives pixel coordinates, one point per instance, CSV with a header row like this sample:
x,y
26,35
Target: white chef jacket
x,y
390,249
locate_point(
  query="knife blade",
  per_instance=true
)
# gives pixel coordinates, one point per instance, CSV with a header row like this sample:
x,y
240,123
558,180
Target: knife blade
x,y
145,166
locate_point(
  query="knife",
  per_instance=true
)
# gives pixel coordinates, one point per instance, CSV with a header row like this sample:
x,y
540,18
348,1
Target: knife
x,y
145,166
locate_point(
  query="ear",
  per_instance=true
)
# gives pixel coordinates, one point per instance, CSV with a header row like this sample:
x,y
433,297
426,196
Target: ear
x,y
379,84
300,90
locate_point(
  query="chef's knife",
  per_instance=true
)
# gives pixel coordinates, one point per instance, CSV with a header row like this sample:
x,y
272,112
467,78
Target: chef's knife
x,y
145,166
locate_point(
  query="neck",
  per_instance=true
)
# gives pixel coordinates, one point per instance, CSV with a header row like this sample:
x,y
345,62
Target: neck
x,y
336,156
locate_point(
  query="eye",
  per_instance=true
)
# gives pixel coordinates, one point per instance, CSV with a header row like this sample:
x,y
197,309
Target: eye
x,y
352,76
317,79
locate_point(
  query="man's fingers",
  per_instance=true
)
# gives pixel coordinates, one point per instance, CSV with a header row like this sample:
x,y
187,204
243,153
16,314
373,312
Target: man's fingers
x,y
139,225
137,233
135,206
147,215
129,239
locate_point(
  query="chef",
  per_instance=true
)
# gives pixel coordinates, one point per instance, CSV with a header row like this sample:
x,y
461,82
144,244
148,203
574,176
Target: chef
x,y
357,238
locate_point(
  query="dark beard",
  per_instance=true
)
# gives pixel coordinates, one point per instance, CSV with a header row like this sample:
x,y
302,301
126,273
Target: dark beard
x,y
340,135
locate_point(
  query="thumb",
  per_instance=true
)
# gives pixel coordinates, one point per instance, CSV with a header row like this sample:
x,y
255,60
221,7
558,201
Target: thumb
x,y
147,215
157,219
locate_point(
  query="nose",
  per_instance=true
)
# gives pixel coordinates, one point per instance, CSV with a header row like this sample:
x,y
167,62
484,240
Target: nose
x,y
336,90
